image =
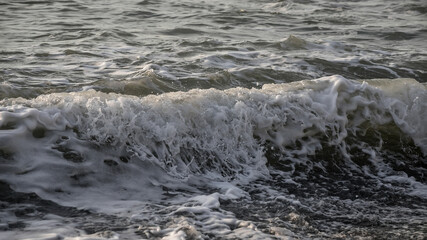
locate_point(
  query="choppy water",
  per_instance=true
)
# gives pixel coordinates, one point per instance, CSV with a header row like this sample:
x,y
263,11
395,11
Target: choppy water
x,y
213,120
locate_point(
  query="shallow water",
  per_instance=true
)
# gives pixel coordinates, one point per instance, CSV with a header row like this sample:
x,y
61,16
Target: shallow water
x,y
213,120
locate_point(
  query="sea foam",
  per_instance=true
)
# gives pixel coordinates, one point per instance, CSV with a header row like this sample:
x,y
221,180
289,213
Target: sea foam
x,y
115,152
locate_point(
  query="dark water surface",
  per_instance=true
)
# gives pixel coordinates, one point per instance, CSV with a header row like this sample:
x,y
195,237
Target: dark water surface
x,y
236,119
162,46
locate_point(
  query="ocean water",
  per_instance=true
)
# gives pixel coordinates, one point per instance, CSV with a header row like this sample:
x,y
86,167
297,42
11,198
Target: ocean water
x,y
238,119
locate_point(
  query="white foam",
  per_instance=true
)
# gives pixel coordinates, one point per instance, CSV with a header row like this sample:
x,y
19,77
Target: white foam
x,y
185,140
217,128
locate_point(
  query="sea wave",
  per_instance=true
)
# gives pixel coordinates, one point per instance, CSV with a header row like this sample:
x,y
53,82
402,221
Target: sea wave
x,y
229,132
114,152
